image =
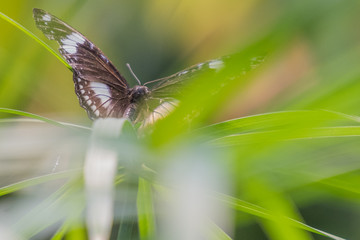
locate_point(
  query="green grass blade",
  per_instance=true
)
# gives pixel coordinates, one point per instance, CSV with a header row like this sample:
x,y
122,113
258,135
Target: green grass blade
x,y
37,180
346,185
216,233
72,229
265,214
274,120
270,198
77,233
145,208
33,36
40,118
60,233
65,203
283,135
71,125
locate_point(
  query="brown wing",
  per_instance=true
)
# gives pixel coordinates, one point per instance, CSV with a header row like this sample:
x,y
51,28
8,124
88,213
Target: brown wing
x,y
101,89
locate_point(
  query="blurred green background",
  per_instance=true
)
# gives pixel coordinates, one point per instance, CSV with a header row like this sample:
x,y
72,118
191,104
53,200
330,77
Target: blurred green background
x,y
317,68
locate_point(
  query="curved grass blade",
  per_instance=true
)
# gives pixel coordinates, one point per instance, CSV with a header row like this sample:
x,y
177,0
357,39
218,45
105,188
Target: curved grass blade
x,y
33,36
71,230
216,233
284,135
60,233
71,125
347,183
64,203
265,214
40,118
274,121
37,180
257,211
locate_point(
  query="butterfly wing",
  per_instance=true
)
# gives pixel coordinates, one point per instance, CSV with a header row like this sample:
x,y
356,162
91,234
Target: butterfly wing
x,y
101,90
174,85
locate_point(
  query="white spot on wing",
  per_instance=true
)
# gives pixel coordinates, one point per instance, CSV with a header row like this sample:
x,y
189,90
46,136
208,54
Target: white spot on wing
x,y
76,37
46,18
86,97
69,42
69,49
99,85
93,107
73,39
101,90
97,112
216,64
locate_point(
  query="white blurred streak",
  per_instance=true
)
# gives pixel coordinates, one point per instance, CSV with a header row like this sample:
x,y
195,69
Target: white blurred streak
x,y
99,172
26,140
31,149
191,210
6,233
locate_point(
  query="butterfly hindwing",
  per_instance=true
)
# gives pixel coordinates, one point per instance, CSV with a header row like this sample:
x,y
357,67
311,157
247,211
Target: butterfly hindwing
x,y
173,85
101,90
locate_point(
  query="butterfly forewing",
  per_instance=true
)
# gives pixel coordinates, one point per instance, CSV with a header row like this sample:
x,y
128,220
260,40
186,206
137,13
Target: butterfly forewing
x,y
101,90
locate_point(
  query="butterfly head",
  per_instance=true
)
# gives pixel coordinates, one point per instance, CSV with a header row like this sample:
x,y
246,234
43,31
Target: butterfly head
x,y
138,93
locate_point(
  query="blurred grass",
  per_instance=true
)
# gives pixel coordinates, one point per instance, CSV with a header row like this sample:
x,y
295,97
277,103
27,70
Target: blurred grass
x,y
294,147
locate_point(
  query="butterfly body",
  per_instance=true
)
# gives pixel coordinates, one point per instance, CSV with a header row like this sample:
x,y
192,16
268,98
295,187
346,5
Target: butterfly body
x,y
138,93
138,96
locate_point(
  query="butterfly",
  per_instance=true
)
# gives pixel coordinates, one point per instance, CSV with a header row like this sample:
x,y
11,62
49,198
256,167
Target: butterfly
x,y
102,91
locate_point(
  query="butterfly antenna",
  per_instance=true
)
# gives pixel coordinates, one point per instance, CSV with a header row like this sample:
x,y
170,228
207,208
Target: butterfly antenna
x,y
128,65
